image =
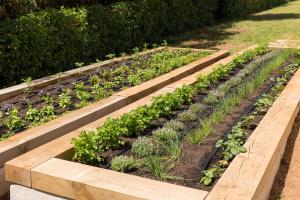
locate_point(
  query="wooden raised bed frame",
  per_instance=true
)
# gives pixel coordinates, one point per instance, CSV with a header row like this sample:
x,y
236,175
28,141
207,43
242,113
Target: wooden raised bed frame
x,y
34,137
250,175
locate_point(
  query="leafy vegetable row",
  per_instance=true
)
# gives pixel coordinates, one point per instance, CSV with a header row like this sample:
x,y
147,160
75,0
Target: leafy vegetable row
x,y
91,144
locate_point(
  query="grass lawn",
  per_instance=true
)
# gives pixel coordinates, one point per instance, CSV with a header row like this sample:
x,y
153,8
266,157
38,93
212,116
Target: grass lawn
x,y
278,23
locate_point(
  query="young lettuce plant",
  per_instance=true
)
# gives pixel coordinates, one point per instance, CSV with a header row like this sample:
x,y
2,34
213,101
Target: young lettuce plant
x,y
65,99
14,121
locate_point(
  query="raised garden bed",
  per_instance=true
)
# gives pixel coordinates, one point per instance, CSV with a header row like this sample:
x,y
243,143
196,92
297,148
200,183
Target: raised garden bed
x,y
35,107
29,139
234,96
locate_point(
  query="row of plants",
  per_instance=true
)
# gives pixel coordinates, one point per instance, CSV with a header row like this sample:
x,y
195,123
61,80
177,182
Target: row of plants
x,y
232,145
46,105
90,145
159,152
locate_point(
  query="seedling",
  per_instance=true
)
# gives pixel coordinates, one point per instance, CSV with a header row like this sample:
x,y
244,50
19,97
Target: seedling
x,y
14,121
65,99
28,82
110,56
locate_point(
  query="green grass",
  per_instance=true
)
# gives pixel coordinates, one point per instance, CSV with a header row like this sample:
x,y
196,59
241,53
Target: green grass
x,y
282,22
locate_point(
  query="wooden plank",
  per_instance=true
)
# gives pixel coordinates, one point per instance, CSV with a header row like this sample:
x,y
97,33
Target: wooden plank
x,y
251,175
77,181
18,170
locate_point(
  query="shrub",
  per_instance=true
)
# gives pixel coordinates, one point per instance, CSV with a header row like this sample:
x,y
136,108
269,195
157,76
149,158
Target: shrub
x,y
175,125
123,163
187,116
165,135
143,147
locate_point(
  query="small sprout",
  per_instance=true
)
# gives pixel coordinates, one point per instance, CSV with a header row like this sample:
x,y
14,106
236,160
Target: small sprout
x,y
93,80
187,116
123,54
28,82
164,43
123,163
47,99
143,147
110,56
136,50
175,125
79,65
145,46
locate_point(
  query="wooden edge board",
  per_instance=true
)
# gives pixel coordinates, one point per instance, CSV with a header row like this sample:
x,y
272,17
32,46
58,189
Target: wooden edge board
x,y
250,176
78,181
18,169
37,136
12,91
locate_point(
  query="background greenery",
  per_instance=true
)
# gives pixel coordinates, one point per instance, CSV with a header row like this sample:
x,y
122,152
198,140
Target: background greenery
x,y
51,39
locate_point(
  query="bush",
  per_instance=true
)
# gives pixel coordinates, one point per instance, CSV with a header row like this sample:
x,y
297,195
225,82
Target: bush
x,y
53,40
123,163
143,147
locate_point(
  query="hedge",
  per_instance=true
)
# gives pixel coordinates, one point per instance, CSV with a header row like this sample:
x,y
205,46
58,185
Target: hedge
x,y
53,40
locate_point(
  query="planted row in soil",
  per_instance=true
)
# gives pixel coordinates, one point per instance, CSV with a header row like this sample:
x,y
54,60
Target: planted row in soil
x,y
169,140
36,107
183,160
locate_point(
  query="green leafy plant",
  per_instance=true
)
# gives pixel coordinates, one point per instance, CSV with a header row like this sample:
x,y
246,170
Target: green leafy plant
x,y
28,82
33,115
14,121
65,99
98,92
209,175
